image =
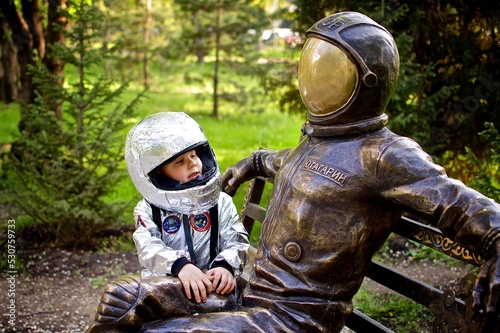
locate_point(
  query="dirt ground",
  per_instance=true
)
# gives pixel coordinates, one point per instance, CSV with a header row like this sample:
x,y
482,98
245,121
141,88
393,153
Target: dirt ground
x,y
59,290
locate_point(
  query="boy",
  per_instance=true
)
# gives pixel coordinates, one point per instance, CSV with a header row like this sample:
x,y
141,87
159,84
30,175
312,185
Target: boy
x,y
185,227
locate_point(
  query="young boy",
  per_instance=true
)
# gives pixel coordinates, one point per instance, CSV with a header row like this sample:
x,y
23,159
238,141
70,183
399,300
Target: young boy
x,y
185,226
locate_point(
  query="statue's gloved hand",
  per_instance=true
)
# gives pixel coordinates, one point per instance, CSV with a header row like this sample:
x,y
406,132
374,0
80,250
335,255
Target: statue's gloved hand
x,y
237,174
487,293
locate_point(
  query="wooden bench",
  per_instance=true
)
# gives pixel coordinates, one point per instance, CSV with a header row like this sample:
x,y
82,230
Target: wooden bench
x,y
452,311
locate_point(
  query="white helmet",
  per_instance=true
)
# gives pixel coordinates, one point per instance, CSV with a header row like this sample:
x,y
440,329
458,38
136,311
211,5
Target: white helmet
x,y
161,138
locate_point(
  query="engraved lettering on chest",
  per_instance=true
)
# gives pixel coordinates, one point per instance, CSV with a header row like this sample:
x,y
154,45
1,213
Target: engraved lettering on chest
x,y
339,177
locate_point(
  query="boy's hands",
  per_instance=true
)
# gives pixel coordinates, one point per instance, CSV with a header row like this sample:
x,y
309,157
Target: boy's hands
x,y
194,279
223,282
201,284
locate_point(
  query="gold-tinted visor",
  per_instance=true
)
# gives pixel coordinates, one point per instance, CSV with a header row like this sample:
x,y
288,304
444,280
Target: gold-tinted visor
x,y
327,77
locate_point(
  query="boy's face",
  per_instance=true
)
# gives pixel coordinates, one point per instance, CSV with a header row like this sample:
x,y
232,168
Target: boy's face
x,y
184,168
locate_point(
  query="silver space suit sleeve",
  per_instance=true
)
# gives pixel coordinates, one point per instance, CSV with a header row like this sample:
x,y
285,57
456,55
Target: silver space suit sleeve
x,y
153,254
233,236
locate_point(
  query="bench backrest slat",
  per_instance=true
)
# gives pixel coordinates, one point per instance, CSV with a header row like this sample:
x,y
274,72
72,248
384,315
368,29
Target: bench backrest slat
x,y
434,238
405,285
359,322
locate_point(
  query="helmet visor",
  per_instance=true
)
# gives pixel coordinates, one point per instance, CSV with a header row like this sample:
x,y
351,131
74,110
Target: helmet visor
x,y
327,77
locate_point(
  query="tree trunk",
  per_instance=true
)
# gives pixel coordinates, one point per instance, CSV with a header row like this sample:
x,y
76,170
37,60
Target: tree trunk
x,y
198,40
147,23
23,41
9,69
215,111
32,16
107,38
56,21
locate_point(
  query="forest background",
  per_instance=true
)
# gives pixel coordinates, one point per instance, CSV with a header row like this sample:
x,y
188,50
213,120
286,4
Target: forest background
x,y
76,75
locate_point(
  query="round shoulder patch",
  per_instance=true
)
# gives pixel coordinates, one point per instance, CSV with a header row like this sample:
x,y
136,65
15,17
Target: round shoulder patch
x,y
171,224
200,222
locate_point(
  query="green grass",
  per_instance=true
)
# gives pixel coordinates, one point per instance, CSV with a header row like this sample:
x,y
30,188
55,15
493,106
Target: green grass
x,y
394,311
9,119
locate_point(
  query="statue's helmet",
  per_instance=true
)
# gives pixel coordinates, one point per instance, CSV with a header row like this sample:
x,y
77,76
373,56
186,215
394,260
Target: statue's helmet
x,y
348,69
159,139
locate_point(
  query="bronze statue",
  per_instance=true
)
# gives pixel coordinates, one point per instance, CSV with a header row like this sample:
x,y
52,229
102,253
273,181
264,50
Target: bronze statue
x,y
338,194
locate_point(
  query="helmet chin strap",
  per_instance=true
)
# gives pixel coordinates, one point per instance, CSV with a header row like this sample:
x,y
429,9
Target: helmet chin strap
x,y
363,126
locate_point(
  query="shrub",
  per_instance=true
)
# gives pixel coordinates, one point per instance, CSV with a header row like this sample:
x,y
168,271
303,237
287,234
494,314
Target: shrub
x,y
486,178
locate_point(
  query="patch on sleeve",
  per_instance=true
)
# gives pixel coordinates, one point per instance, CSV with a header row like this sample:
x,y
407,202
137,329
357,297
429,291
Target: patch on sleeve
x,y
140,222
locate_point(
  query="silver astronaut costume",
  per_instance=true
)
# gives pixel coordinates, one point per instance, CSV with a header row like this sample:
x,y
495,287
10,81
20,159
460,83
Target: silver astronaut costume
x,y
339,193
159,138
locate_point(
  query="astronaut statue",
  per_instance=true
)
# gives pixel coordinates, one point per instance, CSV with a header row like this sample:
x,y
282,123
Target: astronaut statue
x,y
339,193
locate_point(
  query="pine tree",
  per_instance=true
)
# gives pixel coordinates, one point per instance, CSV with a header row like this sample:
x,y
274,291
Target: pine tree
x,y
62,169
